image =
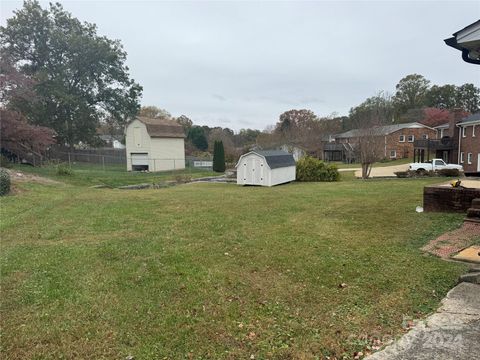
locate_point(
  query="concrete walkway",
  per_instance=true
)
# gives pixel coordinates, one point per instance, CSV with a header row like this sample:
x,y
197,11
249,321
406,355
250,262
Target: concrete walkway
x,y
453,332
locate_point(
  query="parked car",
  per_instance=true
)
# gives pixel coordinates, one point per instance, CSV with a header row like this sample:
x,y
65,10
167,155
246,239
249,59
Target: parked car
x,y
433,165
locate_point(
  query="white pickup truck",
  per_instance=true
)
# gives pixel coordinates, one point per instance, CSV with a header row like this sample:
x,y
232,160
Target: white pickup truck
x,y
434,164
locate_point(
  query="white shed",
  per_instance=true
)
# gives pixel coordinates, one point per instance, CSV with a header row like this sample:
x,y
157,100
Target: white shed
x,y
265,168
154,145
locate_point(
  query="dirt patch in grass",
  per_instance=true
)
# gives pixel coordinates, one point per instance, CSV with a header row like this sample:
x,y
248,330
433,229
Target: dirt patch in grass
x,y
19,176
453,241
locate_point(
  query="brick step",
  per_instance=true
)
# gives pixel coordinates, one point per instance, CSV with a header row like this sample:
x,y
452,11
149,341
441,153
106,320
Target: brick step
x,y
473,213
476,203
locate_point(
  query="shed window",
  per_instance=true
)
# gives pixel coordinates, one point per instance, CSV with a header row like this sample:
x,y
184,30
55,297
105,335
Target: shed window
x,y
411,138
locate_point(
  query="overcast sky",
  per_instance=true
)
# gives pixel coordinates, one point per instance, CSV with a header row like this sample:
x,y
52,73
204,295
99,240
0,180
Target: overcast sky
x,y
241,64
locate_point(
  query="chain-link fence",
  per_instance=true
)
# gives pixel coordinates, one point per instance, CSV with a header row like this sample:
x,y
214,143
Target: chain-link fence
x,y
117,160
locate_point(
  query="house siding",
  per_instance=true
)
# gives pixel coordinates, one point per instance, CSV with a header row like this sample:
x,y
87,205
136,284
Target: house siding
x,y
405,149
470,144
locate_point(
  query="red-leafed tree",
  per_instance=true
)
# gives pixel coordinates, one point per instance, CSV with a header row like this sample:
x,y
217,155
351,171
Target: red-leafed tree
x,y
434,117
18,138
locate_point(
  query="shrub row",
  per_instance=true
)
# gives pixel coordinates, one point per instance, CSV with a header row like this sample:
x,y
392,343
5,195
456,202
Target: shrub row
x,y
311,169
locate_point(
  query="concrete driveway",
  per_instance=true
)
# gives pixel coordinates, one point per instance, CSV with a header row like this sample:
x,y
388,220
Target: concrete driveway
x,y
384,171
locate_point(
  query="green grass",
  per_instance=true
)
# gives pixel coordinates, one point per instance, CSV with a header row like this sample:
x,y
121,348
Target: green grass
x,y
112,175
215,270
341,165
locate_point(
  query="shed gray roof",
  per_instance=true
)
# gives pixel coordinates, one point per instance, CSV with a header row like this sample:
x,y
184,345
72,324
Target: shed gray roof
x,y
276,158
471,118
379,130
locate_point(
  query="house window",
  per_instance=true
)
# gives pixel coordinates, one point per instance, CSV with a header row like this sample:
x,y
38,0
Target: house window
x,y
411,138
425,136
393,154
461,157
402,138
473,131
441,133
464,131
469,158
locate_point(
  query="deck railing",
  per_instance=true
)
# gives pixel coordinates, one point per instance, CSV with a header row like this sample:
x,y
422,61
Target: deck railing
x,y
446,143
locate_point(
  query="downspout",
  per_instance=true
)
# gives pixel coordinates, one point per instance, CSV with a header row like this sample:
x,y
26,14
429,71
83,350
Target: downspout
x,y
466,57
459,143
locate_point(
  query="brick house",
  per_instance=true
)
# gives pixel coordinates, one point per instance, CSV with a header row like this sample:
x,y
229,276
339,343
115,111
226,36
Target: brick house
x,y
395,141
444,145
469,143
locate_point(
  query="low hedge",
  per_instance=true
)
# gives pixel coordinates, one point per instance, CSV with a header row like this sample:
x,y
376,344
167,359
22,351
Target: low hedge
x,y
312,169
64,170
449,172
4,182
439,173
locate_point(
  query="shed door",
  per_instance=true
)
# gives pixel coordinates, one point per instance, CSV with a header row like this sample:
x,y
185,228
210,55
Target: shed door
x,y
139,161
254,171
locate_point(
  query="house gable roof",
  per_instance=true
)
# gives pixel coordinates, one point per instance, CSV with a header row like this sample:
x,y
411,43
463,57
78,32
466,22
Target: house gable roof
x,y
162,128
275,158
381,130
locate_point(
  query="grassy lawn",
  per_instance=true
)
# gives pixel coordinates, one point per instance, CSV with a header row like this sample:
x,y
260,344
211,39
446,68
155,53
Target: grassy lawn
x,y
215,271
341,165
112,176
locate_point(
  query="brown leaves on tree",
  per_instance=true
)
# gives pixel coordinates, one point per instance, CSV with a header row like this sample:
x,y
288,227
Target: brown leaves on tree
x,y
22,139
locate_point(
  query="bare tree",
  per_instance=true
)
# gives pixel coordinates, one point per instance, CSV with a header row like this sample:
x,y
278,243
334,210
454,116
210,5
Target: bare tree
x,y
368,139
368,147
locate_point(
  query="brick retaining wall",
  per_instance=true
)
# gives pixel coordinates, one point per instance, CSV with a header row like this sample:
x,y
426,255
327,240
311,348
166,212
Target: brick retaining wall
x,y
448,199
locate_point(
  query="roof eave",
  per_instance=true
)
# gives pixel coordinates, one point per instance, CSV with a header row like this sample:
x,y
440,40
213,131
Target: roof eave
x,y
465,51
468,123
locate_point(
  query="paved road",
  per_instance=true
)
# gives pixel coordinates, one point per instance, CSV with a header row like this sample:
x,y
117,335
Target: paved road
x,y
453,332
